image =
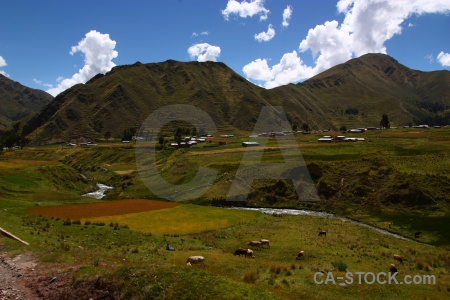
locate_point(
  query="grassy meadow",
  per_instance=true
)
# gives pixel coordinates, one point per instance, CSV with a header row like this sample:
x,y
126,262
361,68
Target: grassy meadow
x,y
398,175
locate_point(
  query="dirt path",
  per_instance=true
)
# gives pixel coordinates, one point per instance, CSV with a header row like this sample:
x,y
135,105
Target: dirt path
x,y
13,272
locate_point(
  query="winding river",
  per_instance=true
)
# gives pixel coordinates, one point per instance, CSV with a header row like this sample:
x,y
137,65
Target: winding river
x,y
302,212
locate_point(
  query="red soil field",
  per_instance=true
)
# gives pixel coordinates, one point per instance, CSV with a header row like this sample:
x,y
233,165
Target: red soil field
x,y
101,209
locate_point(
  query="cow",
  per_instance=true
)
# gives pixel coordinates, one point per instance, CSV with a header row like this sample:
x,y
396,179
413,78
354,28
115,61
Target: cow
x,y
277,214
417,234
322,232
265,242
390,224
195,260
255,243
393,268
300,255
250,253
398,257
240,251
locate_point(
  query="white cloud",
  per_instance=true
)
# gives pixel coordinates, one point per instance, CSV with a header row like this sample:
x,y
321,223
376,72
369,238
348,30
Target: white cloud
x,y
258,70
195,34
444,59
246,9
367,25
204,52
40,82
98,51
265,36
2,62
287,13
290,69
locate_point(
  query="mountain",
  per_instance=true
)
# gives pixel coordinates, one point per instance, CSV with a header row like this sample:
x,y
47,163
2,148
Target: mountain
x,y
18,101
354,94
125,96
358,92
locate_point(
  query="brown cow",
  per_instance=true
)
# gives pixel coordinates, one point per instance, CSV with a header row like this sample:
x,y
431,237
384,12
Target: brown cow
x,y
300,255
393,268
240,251
265,242
398,257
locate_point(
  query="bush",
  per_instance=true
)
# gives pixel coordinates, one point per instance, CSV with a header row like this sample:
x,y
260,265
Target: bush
x,y
341,266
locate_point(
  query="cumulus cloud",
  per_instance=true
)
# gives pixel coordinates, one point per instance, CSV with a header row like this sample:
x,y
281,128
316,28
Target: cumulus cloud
x,y
98,51
367,26
290,69
246,9
204,52
265,36
3,64
444,59
287,13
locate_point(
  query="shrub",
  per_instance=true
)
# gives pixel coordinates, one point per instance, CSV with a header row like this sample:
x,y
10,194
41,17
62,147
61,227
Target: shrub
x,y
67,222
341,266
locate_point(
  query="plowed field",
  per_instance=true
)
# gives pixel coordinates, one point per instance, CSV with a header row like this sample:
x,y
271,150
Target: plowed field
x,y
101,209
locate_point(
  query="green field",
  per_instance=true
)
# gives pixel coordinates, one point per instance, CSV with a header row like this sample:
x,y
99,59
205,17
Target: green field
x,y
399,176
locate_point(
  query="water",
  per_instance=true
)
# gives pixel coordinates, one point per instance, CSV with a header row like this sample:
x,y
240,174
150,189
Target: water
x,y
100,193
302,212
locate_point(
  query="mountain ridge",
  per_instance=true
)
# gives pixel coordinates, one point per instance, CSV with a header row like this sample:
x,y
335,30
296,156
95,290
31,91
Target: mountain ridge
x,y
355,93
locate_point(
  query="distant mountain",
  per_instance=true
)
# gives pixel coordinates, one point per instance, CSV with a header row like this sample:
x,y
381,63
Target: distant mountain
x,y
126,95
18,101
359,91
354,94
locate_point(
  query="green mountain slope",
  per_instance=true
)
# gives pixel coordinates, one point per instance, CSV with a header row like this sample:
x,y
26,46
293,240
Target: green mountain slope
x,y
18,101
125,96
359,91
354,94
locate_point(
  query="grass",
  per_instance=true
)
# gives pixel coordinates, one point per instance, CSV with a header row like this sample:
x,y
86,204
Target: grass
x,y
127,251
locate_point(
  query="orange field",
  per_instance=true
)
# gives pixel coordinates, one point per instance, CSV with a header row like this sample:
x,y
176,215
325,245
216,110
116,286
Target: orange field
x,y
101,209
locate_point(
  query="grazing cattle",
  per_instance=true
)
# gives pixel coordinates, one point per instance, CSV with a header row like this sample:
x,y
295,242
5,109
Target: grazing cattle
x,y
322,232
250,253
390,224
393,268
255,243
300,255
240,251
277,214
195,260
417,234
265,242
398,257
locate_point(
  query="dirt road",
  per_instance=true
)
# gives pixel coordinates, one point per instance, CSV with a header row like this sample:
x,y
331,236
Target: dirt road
x,y
12,278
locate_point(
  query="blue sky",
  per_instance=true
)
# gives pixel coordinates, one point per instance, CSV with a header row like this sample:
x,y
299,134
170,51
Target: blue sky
x,y
53,44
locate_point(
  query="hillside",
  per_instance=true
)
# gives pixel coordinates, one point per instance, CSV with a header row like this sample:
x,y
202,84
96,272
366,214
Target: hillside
x,y
359,91
125,96
354,94
18,101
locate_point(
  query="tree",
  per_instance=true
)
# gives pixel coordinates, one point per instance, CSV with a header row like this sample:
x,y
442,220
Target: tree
x,y
343,128
107,135
178,135
305,127
384,123
161,139
294,127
